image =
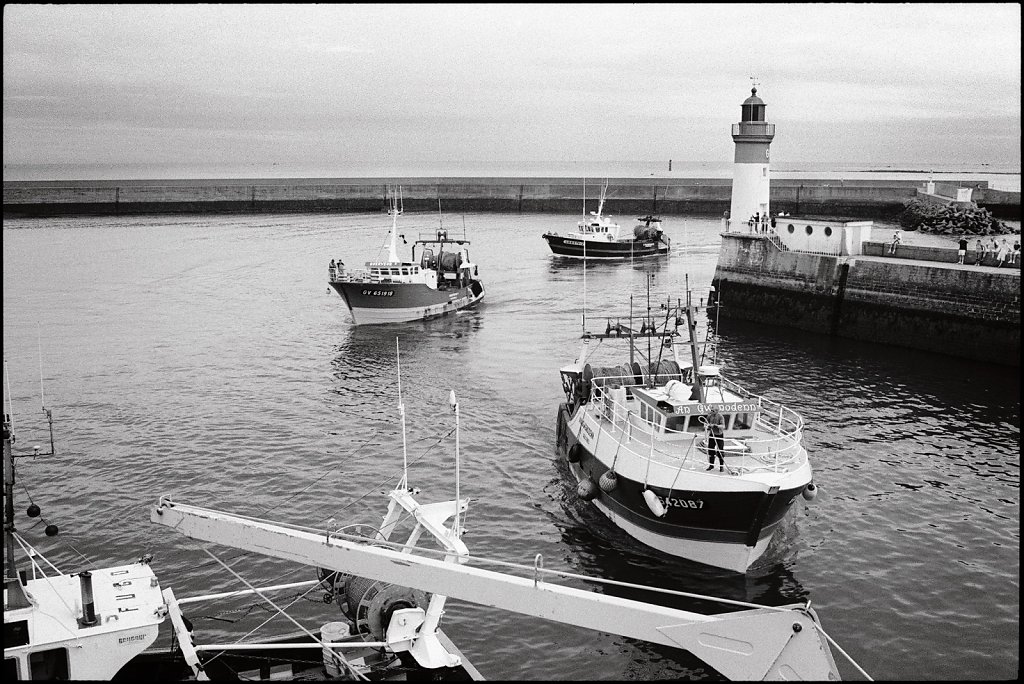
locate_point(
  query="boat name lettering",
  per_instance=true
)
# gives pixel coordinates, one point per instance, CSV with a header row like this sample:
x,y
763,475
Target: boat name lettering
x,y
130,639
379,293
575,243
586,428
700,409
671,501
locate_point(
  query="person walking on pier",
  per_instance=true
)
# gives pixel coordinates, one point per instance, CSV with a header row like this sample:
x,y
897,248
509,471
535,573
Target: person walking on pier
x,y
962,251
897,237
715,439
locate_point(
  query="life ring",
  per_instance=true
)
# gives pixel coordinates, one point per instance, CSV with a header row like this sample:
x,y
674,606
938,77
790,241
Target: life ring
x,y
575,453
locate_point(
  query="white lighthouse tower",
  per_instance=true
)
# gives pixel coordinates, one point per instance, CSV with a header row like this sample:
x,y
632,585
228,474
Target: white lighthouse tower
x,y
750,181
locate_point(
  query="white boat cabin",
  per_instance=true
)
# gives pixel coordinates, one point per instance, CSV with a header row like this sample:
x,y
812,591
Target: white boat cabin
x,y
675,413
598,227
56,637
672,411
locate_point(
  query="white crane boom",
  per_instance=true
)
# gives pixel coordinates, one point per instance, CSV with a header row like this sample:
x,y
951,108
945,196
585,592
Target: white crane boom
x,y
753,644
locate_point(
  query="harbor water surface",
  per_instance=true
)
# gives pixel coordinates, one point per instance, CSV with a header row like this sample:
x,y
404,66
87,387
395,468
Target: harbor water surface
x,y
202,357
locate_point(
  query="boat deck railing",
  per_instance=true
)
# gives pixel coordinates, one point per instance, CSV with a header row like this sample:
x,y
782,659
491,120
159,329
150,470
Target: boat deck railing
x,y
362,275
772,444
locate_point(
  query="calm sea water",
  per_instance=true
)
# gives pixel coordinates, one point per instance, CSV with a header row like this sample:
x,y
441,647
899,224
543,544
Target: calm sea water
x,y
202,357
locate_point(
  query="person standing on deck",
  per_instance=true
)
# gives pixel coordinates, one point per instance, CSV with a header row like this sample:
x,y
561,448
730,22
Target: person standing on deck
x,y
716,433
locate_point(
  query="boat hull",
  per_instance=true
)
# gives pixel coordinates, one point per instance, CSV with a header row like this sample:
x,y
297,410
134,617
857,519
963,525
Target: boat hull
x,y
728,527
598,249
379,303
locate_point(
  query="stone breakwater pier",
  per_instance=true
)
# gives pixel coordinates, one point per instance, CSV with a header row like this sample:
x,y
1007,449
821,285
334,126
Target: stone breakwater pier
x,y
918,298
709,196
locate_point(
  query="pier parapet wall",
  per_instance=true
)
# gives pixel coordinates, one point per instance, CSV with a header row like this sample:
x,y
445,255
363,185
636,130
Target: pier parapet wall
x,y
971,313
711,196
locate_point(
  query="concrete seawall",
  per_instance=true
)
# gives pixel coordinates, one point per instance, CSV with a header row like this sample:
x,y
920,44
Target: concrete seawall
x,y
625,196
967,312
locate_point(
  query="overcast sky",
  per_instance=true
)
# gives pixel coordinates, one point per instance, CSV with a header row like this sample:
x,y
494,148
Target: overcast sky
x,y
251,84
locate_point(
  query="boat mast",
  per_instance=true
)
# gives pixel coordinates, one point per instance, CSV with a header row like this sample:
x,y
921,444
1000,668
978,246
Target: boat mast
x,y
632,349
401,412
394,211
648,323
693,342
454,403
14,593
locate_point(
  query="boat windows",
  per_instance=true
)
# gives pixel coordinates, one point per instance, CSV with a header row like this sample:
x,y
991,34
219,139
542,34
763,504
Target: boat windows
x,y
49,664
15,633
10,668
675,424
742,421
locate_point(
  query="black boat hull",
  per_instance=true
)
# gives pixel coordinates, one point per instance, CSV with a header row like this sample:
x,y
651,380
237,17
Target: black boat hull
x,y
598,249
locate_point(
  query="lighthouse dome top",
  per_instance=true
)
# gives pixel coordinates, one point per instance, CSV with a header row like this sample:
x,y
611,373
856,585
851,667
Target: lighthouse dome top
x,y
753,99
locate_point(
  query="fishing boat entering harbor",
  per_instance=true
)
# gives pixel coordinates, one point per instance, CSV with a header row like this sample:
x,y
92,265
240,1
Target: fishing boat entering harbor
x,y
598,237
441,282
644,444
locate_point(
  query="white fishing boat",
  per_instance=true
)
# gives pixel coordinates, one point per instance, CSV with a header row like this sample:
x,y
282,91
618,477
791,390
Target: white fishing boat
x,y
599,237
441,281
635,433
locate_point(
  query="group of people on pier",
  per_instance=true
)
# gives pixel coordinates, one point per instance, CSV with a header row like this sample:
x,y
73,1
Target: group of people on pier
x,y
1004,254
759,223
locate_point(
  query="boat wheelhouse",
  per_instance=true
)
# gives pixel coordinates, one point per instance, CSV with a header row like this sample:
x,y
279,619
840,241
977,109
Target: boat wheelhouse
x,y
442,281
83,626
636,438
599,237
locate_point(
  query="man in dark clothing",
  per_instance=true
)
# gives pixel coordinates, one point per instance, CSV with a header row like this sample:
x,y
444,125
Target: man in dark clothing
x,y
962,251
716,433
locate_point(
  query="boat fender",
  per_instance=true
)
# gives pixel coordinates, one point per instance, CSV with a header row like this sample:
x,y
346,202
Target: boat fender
x,y
657,508
51,530
810,491
608,481
33,511
586,489
575,453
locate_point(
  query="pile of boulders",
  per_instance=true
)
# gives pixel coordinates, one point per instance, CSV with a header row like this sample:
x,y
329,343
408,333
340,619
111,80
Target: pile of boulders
x,y
953,219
